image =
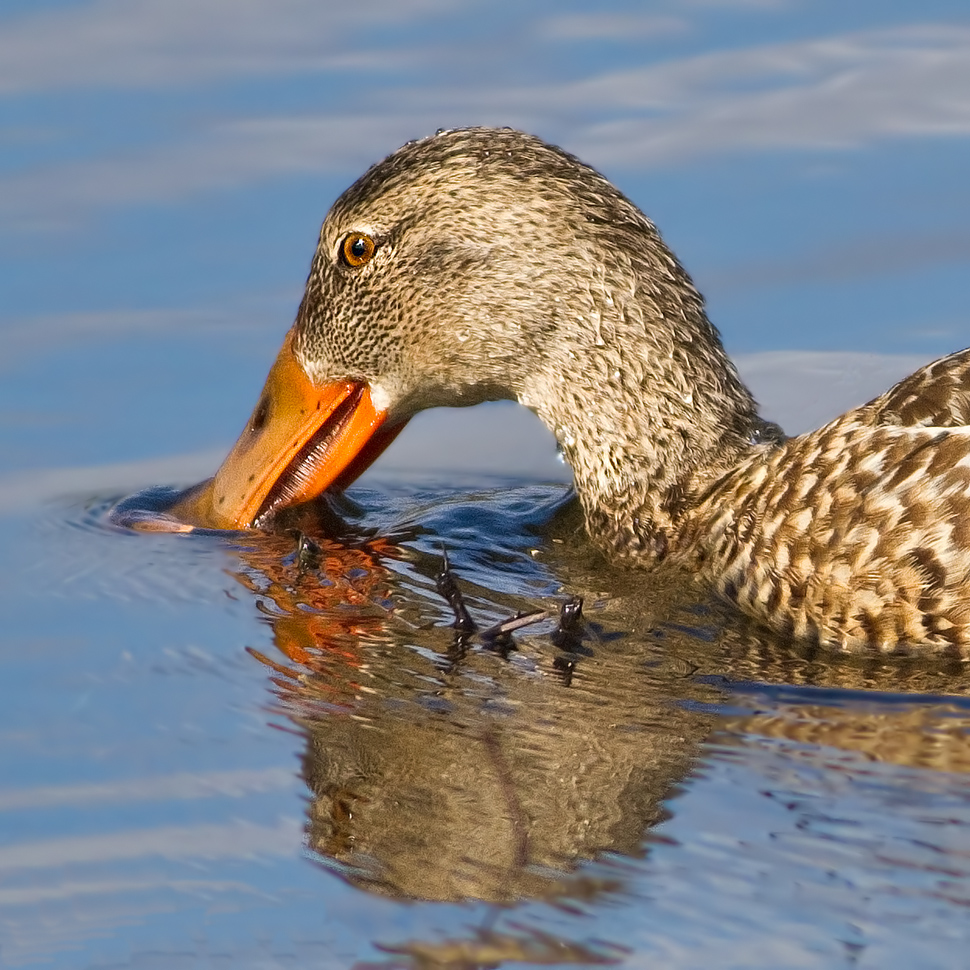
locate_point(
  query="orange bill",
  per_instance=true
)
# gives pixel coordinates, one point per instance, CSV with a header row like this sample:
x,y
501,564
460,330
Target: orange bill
x,y
300,440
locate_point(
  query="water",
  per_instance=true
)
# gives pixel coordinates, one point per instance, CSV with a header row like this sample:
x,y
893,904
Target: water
x,y
216,755
213,755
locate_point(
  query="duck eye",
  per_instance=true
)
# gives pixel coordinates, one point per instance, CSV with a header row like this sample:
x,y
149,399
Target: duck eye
x,y
357,249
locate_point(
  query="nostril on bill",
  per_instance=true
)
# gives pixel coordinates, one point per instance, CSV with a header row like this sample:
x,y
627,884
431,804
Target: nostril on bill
x,y
260,415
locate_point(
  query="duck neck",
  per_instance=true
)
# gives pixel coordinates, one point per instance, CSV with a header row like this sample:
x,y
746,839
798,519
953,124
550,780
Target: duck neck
x,y
648,411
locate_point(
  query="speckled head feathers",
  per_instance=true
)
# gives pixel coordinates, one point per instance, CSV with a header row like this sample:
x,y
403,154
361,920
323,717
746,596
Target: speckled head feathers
x,y
478,232
506,268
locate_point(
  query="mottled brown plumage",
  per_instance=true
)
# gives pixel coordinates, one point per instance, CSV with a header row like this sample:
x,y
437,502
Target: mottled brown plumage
x,y
505,268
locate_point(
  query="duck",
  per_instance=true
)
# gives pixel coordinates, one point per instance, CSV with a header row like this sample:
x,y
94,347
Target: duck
x,y
479,264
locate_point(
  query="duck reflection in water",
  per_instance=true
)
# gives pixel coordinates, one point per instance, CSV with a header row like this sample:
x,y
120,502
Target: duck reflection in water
x,y
440,769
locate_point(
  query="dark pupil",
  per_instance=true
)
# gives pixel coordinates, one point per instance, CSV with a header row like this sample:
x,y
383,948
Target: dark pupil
x,y
359,248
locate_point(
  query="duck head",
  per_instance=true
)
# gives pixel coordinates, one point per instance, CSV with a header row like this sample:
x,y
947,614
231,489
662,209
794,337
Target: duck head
x,y
474,265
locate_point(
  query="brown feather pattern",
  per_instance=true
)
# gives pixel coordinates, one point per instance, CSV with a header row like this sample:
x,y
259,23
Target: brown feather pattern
x,y
505,268
854,536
